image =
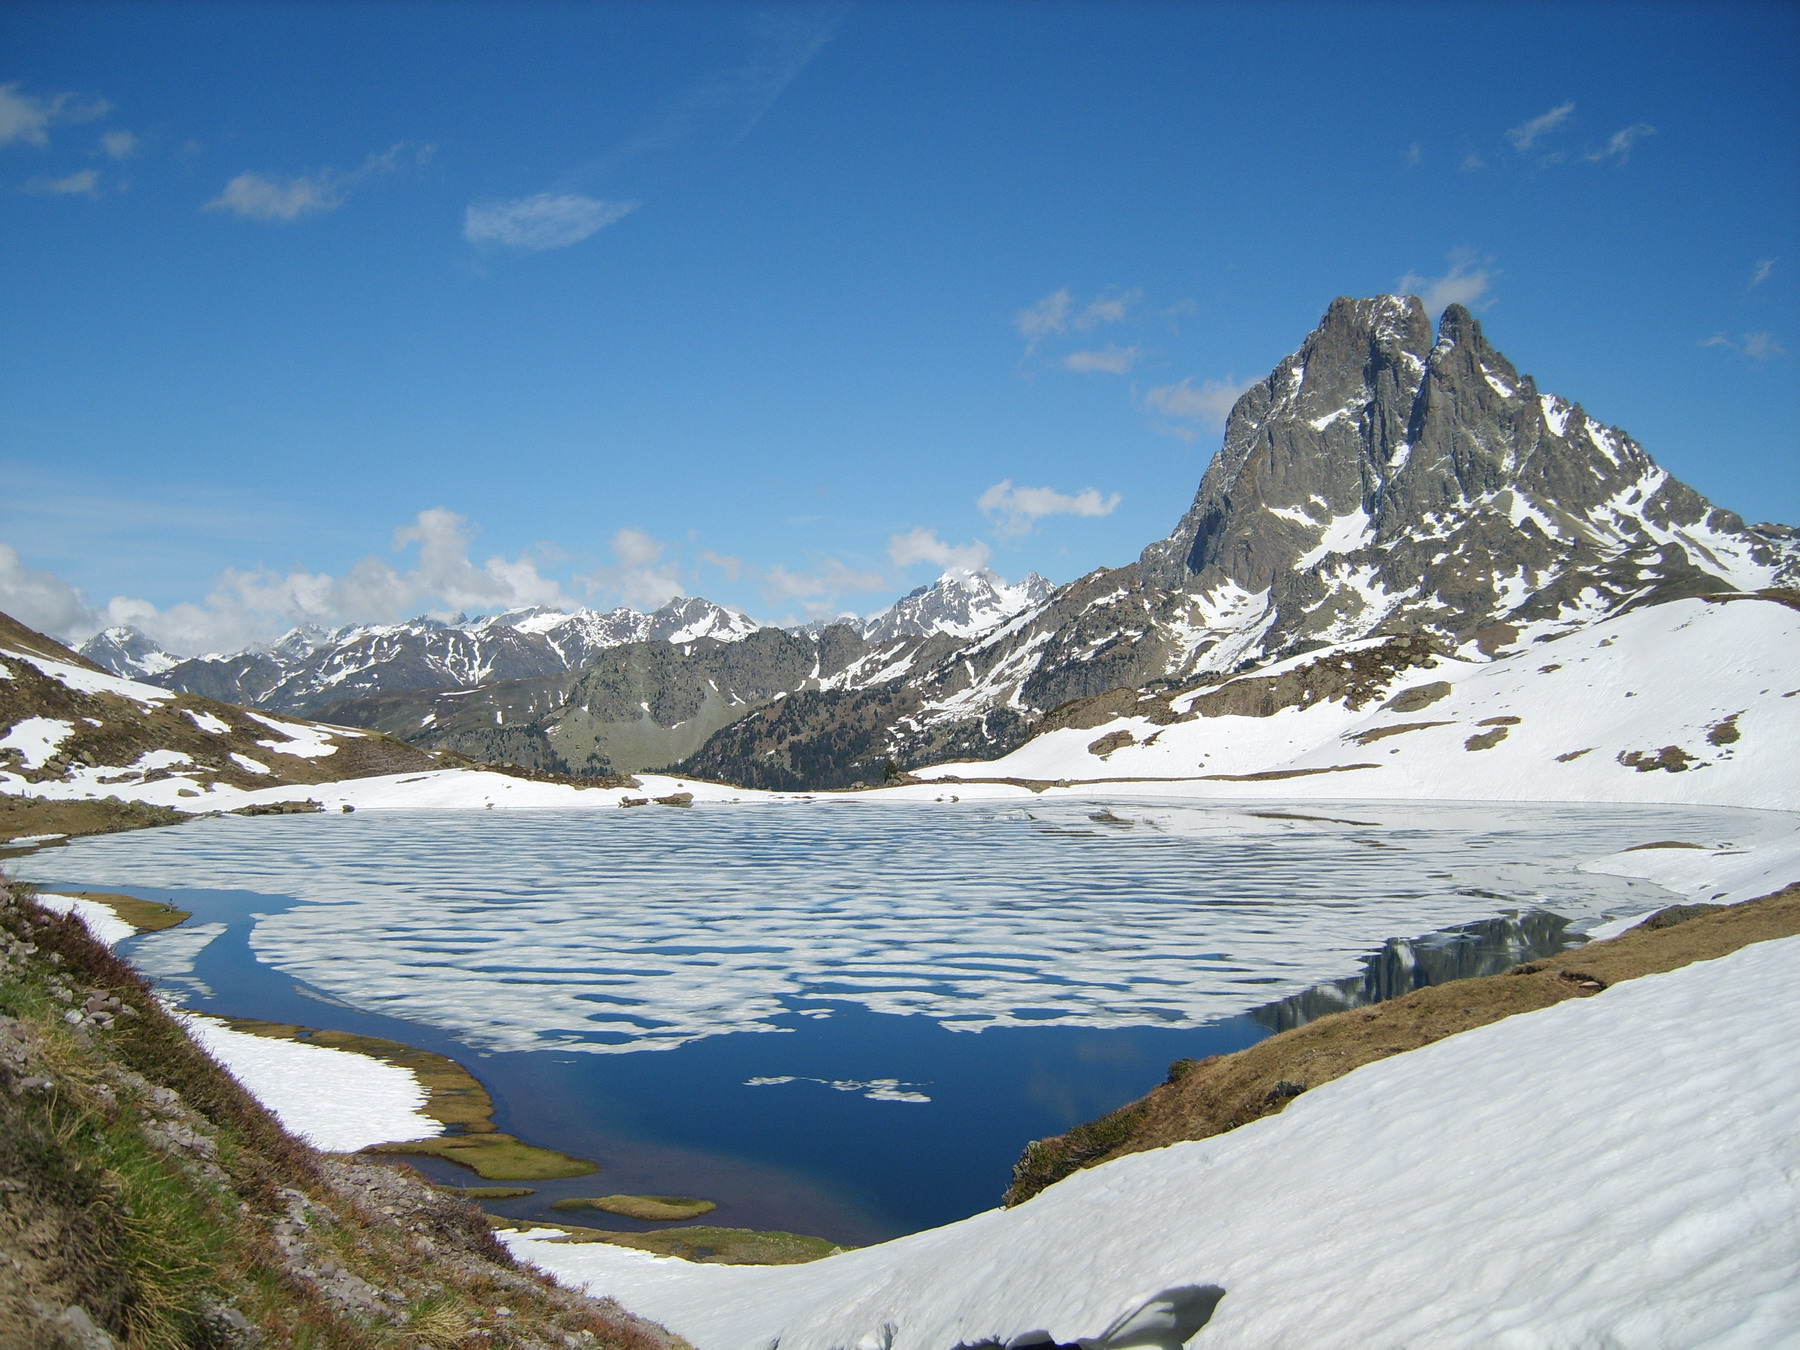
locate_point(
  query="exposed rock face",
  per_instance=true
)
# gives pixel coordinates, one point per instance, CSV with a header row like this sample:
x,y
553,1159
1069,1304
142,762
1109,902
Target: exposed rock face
x,y
961,604
1380,481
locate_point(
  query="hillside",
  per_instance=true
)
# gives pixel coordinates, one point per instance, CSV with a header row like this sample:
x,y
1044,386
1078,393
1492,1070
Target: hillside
x,y
151,1204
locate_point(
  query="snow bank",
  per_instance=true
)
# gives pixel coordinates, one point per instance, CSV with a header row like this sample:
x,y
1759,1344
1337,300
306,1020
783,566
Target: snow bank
x,y
1533,1183
1690,702
335,1100
105,926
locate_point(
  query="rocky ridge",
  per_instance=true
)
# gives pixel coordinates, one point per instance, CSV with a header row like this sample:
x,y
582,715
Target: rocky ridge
x,y
1381,481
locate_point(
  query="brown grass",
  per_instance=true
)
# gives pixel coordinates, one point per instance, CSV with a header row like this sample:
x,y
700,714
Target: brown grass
x,y
1208,1097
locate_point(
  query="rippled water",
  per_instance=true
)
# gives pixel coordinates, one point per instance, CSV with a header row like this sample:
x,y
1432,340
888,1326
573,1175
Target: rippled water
x,y
1091,943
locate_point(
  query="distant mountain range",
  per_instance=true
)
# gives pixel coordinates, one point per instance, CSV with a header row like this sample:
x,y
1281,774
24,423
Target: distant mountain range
x,y
1384,480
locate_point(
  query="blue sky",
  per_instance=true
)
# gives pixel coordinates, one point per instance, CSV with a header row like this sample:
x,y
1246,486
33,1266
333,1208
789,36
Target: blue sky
x,y
337,312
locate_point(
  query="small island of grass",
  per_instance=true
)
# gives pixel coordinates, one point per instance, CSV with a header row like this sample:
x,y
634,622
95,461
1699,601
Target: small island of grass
x,y
651,1208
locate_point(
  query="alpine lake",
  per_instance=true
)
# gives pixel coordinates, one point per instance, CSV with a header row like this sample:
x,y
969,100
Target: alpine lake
x,y
847,1018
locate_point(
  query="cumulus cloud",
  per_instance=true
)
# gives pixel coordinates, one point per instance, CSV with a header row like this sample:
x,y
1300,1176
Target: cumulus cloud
x,y
85,183
1529,133
1618,145
923,546
1208,403
24,117
1463,284
642,572
271,198
1758,347
249,605
1764,266
119,144
1017,510
545,221
42,600
1108,360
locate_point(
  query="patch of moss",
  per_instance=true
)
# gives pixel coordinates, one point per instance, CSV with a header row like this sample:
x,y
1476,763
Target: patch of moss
x,y
650,1208
1670,759
716,1246
37,815
495,1156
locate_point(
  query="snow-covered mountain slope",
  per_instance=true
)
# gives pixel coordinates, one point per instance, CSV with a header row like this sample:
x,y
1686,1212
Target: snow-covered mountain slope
x,y
1554,1193
1692,701
1380,481
70,731
309,669
959,604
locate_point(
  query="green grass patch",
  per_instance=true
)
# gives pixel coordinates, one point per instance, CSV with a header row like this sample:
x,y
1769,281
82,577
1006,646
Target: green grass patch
x,y
716,1246
147,916
494,1156
488,1192
650,1208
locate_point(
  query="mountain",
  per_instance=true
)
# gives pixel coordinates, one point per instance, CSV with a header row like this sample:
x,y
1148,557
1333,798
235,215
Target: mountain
x,y
1381,481
309,669
961,604
73,734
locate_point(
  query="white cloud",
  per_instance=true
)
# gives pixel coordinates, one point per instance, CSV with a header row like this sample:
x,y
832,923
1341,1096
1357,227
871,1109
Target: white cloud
x,y
1209,403
817,590
1472,163
1059,312
923,546
255,196
252,605
1017,510
1759,347
1619,145
266,197
1764,266
28,119
545,221
1415,156
1528,134
1463,284
1047,316
1109,360
42,600
119,144
639,575
85,183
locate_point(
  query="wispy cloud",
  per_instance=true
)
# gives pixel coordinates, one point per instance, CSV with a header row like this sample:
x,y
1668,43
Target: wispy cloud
x,y
1758,347
85,183
1618,145
1464,284
120,144
642,573
1414,156
28,118
272,198
923,546
1529,133
546,220
1108,360
1206,404
818,590
1016,511
1472,163
1764,266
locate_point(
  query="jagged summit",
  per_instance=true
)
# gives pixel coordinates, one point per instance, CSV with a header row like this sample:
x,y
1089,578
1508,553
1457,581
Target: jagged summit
x,y
1381,474
961,603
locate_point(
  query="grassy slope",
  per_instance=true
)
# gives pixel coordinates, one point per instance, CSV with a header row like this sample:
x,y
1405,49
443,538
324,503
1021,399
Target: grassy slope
x,y
149,1192
1207,1097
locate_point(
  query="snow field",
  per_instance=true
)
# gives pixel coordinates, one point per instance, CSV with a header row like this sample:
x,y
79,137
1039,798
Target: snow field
x,y
1534,1184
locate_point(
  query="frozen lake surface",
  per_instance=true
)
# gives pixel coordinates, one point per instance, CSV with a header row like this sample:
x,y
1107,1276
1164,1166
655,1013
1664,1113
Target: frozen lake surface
x,y
809,977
